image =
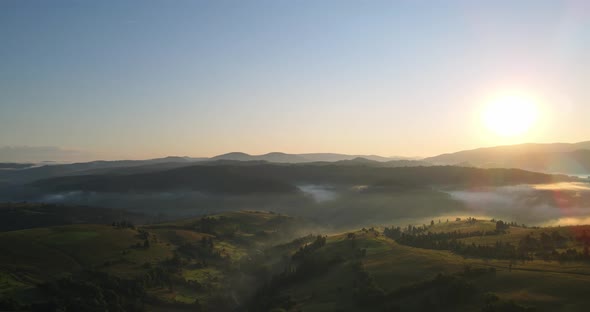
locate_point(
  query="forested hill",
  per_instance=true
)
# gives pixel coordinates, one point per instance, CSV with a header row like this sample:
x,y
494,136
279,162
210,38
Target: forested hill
x,y
18,216
276,178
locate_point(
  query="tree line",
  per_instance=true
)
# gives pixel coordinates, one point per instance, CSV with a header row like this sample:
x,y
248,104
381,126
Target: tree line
x,y
546,246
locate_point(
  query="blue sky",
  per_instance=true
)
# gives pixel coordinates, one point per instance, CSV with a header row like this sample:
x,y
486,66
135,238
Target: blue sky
x,y
138,79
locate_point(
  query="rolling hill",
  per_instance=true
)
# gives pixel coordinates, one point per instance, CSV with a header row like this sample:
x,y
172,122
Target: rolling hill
x,y
11,166
550,158
269,178
11,173
261,261
17,216
187,265
29,174
557,157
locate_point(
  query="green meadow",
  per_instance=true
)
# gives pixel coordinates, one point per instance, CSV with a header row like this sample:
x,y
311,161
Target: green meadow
x,y
261,261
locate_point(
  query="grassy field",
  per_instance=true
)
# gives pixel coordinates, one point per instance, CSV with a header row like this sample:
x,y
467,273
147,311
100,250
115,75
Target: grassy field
x,y
545,285
43,253
531,283
28,257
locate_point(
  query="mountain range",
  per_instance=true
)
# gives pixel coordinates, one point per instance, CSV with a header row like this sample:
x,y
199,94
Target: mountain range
x,y
301,158
569,158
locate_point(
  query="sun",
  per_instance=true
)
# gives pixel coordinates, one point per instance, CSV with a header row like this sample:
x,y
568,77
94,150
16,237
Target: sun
x,y
510,115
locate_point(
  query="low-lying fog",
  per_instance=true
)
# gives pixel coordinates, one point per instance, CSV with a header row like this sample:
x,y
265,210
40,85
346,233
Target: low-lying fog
x,y
545,204
360,205
320,193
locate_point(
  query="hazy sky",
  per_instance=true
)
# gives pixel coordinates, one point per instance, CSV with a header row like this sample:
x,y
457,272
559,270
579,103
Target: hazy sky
x,y
138,79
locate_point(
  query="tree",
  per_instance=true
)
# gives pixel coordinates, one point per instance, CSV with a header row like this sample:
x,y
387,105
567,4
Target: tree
x,y
501,226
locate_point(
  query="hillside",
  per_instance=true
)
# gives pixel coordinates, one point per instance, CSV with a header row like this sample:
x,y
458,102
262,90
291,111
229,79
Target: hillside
x,y
9,166
269,178
370,271
185,264
343,194
17,216
339,195
28,174
249,261
214,179
558,157
11,173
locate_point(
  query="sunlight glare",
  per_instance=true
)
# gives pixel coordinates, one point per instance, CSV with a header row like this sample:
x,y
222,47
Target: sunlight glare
x,y
510,115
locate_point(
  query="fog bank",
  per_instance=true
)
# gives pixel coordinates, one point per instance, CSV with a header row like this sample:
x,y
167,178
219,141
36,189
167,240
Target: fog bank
x,y
561,203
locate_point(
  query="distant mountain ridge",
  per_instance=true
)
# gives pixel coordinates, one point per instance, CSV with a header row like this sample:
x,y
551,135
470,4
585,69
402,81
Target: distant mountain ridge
x,y
27,174
551,157
15,165
565,158
300,158
46,170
